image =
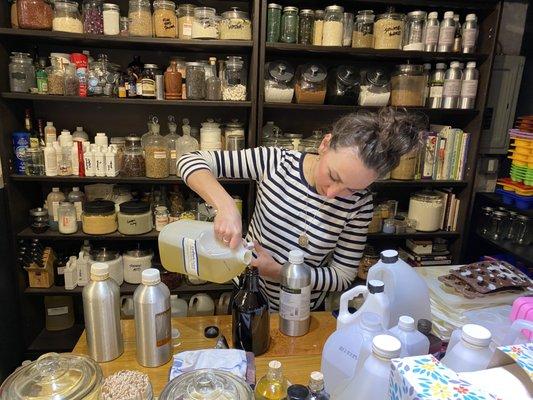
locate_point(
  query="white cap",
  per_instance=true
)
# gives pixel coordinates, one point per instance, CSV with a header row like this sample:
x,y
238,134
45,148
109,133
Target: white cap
x,y
471,17
455,64
296,256
101,134
75,189
274,364
448,14
65,132
79,128
476,335
389,256
406,323
471,64
49,123
100,269
433,14
49,144
55,189
440,66
370,321
386,346
150,276
317,376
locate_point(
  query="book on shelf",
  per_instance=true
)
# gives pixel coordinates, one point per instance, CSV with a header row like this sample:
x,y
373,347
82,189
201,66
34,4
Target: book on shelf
x,y
433,259
451,208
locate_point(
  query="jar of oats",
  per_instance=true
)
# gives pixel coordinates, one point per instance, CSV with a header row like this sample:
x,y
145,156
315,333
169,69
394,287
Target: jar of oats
x,y
333,26
140,18
388,31
185,19
165,19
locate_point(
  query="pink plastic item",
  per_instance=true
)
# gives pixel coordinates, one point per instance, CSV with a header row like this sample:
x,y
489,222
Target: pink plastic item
x,y
523,309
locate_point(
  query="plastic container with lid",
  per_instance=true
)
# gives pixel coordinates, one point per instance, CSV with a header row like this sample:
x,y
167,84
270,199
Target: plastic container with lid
x,y
204,384
165,19
471,351
205,24
34,14
67,17
375,88
343,85
310,86
58,376
235,25
289,25
363,29
408,85
426,208
415,29
134,218
333,26
279,82
99,217
140,18
135,262
388,30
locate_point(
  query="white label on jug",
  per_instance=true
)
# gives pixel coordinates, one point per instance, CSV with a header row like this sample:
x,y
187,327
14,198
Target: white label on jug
x,y
190,256
435,91
55,205
469,37
452,88
446,36
163,332
469,89
295,304
57,311
432,34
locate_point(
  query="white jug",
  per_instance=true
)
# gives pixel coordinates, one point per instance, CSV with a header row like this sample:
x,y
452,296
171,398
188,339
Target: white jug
x,y
126,307
471,352
223,304
201,304
178,307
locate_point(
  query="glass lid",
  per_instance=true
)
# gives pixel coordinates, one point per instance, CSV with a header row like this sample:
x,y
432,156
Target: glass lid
x,y
314,73
348,75
281,71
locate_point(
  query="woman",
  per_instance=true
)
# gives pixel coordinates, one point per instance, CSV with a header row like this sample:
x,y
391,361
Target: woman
x,y
317,203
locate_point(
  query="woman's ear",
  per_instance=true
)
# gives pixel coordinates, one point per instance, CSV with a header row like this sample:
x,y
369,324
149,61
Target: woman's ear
x,y
324,145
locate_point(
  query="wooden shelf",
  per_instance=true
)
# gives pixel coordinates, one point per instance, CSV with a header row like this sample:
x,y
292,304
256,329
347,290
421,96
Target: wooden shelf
x,y
417,183
57,341
445,234
523,254
496,200
55,235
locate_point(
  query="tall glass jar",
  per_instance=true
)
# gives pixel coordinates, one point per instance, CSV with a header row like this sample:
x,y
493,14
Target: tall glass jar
x,y
205,24
426,209
388,31
235,25
408,85
165,19
318,27
305,32
289,25
273,23
71,81
213,83
56,80
233,87
35,14
310,87
111,13
93,17
140,18
34,161
134,165
185,20
66,216
347,29
157,156
333,26
363,30
195,82
67,17
415,31
21,73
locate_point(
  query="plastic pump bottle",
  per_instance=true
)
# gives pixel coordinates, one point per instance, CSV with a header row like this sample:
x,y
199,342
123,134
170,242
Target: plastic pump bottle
x,y
414,343
471,352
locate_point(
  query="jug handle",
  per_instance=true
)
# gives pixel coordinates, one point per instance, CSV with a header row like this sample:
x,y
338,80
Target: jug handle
x,y
346,297
123,300
516,328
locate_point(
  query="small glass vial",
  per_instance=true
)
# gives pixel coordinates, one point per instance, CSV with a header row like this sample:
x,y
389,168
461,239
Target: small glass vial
x,y
273,23
161,217
318,27
307,19
333,26
289,25
67,222
124,26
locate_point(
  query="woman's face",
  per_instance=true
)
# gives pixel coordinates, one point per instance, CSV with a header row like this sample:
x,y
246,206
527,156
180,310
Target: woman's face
x,y
341,172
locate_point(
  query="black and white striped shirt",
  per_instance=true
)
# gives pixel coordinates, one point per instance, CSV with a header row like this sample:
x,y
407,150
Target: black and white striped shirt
x,y
285,204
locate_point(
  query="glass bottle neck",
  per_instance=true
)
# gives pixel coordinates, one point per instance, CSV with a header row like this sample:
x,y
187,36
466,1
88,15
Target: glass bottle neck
x,y
251,280
274,374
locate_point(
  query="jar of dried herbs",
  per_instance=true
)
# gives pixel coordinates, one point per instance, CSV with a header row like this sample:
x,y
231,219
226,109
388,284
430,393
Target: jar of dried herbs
x,y
307,20
56,80
157,156
133,164
195,81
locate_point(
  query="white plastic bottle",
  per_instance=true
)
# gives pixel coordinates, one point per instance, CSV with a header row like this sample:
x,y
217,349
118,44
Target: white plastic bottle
x,y
80,135
111,162
99,161
89,161
471,352
50,160
74,160
83,268
371,326
65,139
101,140
59,155
50,133
414,343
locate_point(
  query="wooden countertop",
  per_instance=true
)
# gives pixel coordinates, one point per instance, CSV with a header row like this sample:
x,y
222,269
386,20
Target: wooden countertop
x,y
298,355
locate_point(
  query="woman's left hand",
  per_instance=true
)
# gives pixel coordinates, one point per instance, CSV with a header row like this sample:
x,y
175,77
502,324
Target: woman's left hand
x,y
265,263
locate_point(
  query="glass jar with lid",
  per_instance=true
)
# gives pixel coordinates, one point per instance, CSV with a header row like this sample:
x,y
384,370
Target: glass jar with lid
x,y
363,29
318,27
56,80
133,165
99,217
270,130
375,88
148,81
388,30
497,221
233,83
343,85
66,214
333,26
205,24
156,155
415,30
484,221
347,30
111,15
235,25
185,20
426,209
213,83
279,82
134,218
289,25
234,135
34,161
408,84
93,17
210,135
162,216
407,167
140,18
67,17
522,230
273,23
310,87
195,81
306,22
165,19
278,141
35,14
312,143
21,73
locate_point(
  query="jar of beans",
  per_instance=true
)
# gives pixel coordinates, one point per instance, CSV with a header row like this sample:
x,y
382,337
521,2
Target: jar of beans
x,y
34,14
133,164
93,17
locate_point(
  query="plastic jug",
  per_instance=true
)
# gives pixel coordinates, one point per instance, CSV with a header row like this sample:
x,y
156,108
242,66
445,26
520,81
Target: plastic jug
x,y
201,304
371,326
126,307
178,307
223,304
414,343
407,292
376,301
471,352
191,248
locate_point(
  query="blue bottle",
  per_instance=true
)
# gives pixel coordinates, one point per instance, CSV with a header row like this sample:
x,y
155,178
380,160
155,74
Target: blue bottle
x,y
21,142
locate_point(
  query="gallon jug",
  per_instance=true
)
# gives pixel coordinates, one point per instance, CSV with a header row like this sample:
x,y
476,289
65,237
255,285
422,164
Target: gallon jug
x,y
376,301
222,307
201,304
471,352
191,248
178,307
414,343
407,292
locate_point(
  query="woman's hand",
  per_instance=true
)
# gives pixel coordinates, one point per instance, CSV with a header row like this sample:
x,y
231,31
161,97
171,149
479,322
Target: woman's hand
x,y
265,263
228,225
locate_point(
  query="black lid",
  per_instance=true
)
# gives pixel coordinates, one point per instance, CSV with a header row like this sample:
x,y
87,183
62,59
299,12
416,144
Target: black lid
x,y
281,71
297,392
389,256
99,206
134,207
374,286
211,332
425,326
348,75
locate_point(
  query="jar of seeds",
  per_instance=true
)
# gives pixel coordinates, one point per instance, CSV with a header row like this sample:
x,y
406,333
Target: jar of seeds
x,y
388,31
140,18
133,164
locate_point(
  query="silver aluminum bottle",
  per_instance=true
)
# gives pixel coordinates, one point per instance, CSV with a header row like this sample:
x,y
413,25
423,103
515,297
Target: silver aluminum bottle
x,y
436,82
101,310
431,38
469,86
153,332
451,90
470,32
295,296
446,33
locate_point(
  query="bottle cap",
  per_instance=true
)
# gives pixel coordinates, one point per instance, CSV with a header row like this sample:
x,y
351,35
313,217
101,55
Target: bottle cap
x,y
49,123
448,14
476,335
370,321
317,376
424,326
471,17
389,256
386,346
296,256
75,189
297,392
433,15
100,269
406,323
150,276
375,286
455,64
471,64
441,66
274,364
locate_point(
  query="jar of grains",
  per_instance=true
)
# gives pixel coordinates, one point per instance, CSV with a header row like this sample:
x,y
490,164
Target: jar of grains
x,y
99,217
279,82
318,27
56,80
363,29
185,19
111,15
426,208
195,81
157,156
34,14
233,87
370,257
93,17
333,27
289,25
273,23
388,31
140,18
133,164
165,19
408,85
310,86
67,17
305,32
406,168
235,25
205,24
134,218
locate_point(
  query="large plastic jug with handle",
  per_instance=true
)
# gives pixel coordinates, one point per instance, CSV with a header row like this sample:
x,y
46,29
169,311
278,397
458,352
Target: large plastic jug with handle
x,y
407,292
471,351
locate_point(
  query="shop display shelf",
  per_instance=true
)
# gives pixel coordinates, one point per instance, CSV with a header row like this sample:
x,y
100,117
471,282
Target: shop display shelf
x,y
56,341
522,253
495,200
436,234
414,183
54,235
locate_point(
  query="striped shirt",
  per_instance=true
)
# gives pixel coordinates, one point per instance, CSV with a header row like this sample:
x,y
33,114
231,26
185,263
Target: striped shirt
x,y
285,206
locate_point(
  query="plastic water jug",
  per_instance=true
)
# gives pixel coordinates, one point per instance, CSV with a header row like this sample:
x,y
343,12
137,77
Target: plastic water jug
x,y
372,383
371,326
178,307
414,343
407,292
376,301
523,309
191,248
471,352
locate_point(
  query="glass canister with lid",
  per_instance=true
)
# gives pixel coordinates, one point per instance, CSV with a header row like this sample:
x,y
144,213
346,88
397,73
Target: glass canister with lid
x,y
140,18
111,14
210,135
375,88
343,85
205,24
185,20
426,208
388,30
134,218
363,29
93,17
407,167
235,25
99,217
234,134
306,22
279,82
333,26
273,23
135,262
165,19
157,155
133,164
21,73
408,85
35,14
289,25
233,83
310,86
195,81
415,31
67,17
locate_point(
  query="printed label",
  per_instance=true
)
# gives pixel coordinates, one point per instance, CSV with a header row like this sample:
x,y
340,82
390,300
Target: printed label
x,y
61,270
173,154
79,209
139,88
55,205
435,91
190,256
187,29
148,86
57,311
160,154
446,35
163,332
469,89
432,35
469,37
295,304
452,88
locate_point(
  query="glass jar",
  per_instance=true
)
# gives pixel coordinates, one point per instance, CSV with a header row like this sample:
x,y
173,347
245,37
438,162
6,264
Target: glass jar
x,y
497,220
67,17
35,14
205,24
310,86
363,30
279,82
97,76
21,73
134,218
39,220
140,18
195,82
99,217
66,214
157,156
295,139
173,81
389,226
233,87
426,208
56,80
522,227
213,86
165,19
270,130
234,134
235,25
111,17
369,258
64,166
305,32
162,215
210,136
318,27
347,29
185,20
312,143
273,23
388,31
408,85
484,221
93,17
343,85
375,88
124,26
148,81
72,82
399,224
34,161
406,168
333,26
415,30
134,165
289,25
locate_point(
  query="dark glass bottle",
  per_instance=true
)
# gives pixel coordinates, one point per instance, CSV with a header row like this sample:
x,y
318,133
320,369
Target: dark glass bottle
x,y
28,126
250,315
297,392
42,140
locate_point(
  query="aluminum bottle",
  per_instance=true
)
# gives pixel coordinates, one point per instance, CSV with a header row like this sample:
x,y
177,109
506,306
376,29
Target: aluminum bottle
x,y
151,304
295,296
432,32
101,310
469,86
470,32
436,82
446,33
452,86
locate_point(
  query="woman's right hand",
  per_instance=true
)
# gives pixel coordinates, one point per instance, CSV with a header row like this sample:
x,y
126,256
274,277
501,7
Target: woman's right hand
x,y
228,226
